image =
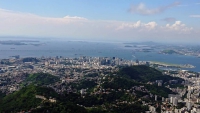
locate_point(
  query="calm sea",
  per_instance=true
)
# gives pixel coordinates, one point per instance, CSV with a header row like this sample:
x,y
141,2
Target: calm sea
x,y
94,49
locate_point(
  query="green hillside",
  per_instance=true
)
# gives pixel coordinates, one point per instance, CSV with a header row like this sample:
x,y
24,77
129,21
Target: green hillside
x,y
119,83
41,79
140,73
21,100
144,73
108,94
25,100
2,95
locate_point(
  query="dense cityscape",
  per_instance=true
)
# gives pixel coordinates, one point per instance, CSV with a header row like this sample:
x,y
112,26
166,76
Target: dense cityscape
x,y
183,87
99,56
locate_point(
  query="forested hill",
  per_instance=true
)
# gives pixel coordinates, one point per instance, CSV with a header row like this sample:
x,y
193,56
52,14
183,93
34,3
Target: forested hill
x,y
41,79
144,73
26,100
122,91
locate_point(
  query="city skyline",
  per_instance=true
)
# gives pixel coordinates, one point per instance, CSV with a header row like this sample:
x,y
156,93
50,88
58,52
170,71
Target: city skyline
x,y
159,21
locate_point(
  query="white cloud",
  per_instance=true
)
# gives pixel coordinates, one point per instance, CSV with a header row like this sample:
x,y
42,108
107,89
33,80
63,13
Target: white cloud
x,y
129,25
142,9
17,23
75,18
24,24
151,25
138,26
195,16
178,26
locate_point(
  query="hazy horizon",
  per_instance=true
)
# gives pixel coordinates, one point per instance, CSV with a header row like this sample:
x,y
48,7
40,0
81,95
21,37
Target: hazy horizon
x,y
122,21
52,39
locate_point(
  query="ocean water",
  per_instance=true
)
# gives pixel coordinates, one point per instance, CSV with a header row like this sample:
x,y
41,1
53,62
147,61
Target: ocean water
x,y
93,49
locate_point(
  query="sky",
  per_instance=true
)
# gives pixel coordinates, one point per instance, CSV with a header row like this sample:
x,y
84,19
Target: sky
x,y
102,20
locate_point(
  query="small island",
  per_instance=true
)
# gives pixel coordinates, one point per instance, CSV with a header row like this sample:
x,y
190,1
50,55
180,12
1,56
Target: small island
x,y
20,42
169,52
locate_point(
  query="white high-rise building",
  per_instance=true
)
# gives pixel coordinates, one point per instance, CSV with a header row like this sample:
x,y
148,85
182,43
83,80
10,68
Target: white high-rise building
x,y
175,101
171,100
189,105
156,97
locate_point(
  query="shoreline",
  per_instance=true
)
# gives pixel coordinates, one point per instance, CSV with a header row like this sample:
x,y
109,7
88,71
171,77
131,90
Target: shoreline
x,y
164,64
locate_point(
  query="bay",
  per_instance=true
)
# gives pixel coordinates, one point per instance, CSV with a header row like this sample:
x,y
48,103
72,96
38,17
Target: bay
x,y
94,49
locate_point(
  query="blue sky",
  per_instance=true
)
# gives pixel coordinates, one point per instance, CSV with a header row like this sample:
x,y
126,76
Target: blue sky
x,y
119,20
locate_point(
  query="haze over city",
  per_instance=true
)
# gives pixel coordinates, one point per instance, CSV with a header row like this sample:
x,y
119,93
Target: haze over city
x,y
99,56
89,20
